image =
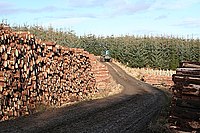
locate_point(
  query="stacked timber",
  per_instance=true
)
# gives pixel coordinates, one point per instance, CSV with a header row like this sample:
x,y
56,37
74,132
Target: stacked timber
x,y
18,71
185,113
158,80
34,72
64,75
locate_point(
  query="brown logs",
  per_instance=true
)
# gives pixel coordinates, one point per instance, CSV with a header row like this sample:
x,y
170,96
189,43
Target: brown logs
x,y
186,97
34,72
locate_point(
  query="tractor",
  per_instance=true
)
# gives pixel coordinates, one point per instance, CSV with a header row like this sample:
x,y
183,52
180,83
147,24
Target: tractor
x,y
105,56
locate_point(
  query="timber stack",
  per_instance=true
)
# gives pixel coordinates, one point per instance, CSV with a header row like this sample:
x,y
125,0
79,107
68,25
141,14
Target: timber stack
x,y
185,111
101,73
34,72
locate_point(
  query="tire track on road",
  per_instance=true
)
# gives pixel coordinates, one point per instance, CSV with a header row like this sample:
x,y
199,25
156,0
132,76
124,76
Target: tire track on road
x,y
131,111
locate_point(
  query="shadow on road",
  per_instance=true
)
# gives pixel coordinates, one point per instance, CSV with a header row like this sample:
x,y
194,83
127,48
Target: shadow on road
x,y
130,111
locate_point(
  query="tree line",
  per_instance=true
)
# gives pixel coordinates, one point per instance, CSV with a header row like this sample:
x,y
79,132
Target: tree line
x,y
133,51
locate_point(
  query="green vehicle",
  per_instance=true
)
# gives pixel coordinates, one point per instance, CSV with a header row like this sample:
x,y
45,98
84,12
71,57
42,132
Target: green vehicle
x,y
105,56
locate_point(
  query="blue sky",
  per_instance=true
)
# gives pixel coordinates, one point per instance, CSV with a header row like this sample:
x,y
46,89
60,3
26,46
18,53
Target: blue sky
x,y
107,17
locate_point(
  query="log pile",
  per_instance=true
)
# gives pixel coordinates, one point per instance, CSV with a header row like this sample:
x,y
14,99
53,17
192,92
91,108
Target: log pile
x,y
158,80
35,72
185,112
65,75
101,74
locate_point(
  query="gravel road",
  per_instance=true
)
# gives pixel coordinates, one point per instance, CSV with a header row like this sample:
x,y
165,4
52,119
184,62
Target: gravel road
x,y
127,112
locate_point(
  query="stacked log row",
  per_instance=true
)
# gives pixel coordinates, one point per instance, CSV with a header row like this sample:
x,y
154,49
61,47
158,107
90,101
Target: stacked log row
x,y
185,113
18,73
158,80
101,74
34,72
65,75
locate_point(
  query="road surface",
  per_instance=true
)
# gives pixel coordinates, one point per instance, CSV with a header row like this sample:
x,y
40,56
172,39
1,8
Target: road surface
x,y
128,112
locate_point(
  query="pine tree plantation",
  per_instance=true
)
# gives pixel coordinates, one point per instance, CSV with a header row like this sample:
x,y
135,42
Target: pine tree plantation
x,y
154,52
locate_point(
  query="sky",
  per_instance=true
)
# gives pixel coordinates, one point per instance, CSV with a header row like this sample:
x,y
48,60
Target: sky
x,y
108,17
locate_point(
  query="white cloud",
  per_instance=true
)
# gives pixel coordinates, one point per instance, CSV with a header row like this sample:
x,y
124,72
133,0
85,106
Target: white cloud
x,y
189,23
14,10
111,7
128,7
85,3
173,4
66,22
161,17
135,7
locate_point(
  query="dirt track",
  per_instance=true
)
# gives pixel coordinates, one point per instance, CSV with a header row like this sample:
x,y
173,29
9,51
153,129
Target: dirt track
x,y
129,111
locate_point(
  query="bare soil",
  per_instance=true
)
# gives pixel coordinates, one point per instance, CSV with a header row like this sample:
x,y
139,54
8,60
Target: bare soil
x,y
130,111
